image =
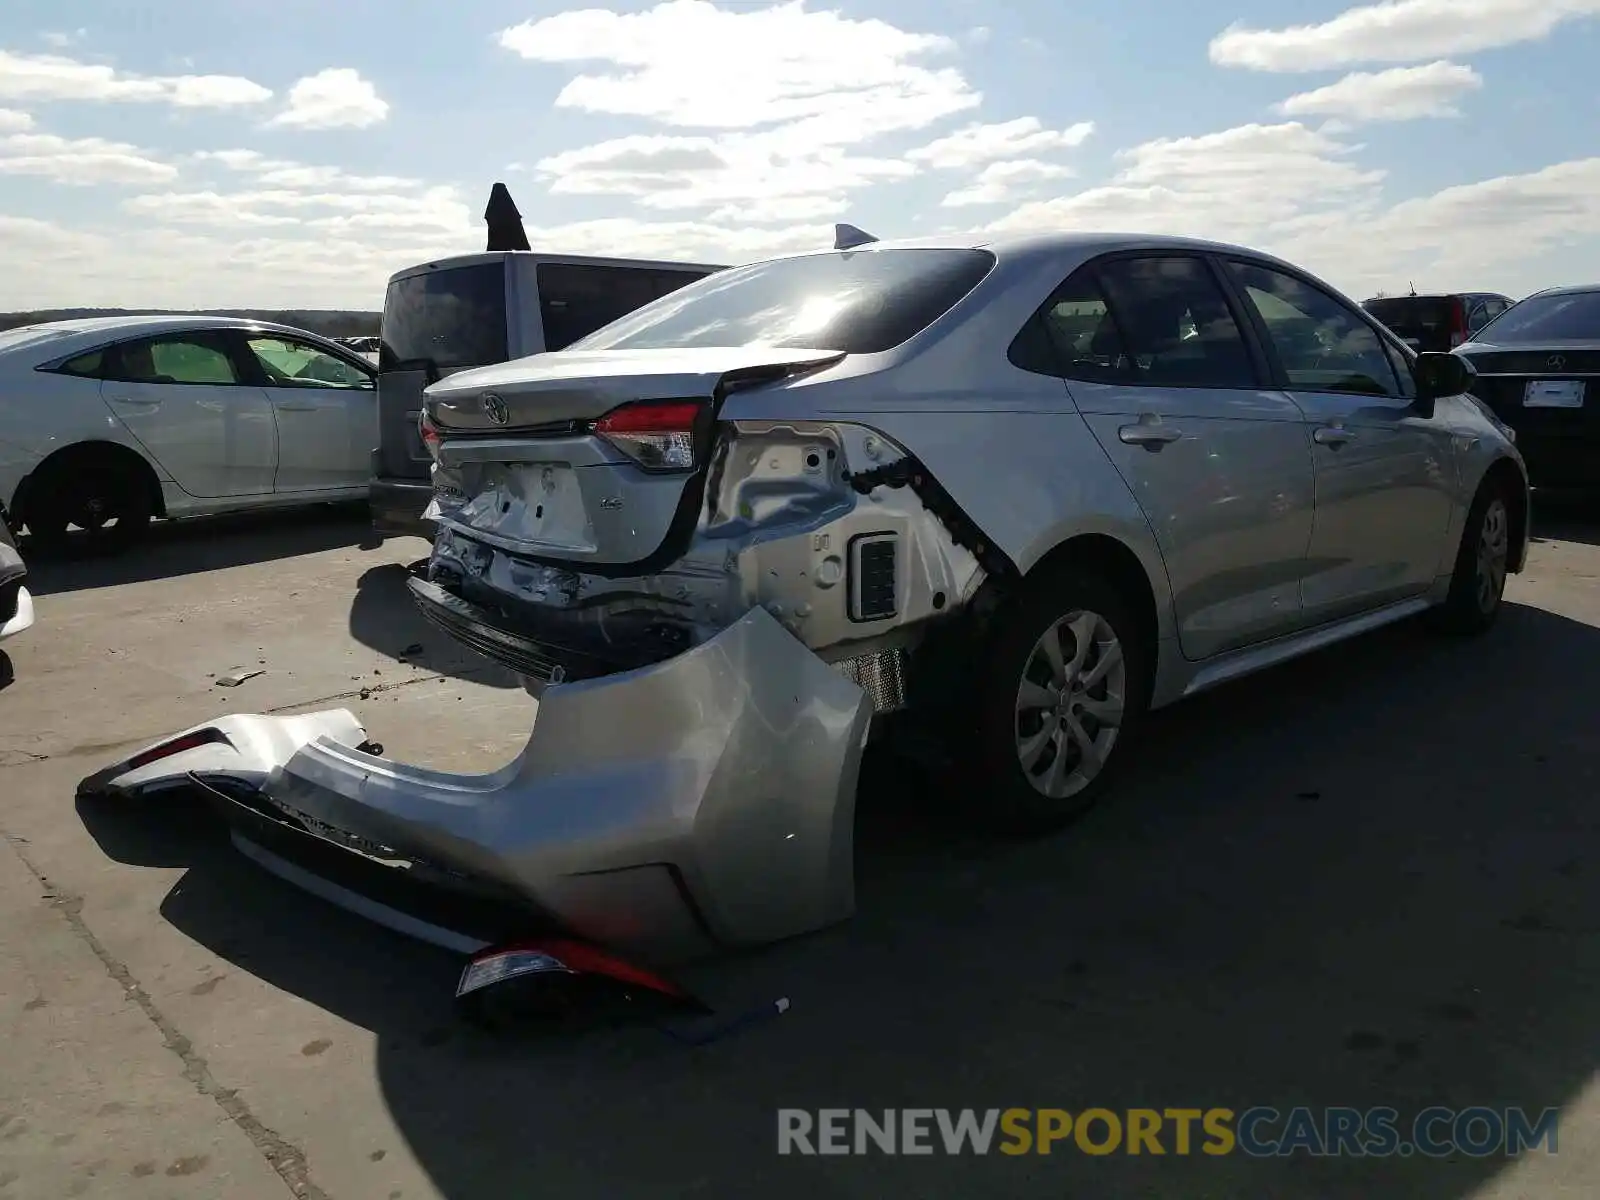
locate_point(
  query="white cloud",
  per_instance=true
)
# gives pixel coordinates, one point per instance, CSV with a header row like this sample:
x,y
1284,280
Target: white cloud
x,y
794,99
440,209
12,121
286,173
61,40
79,161
1400,94
1007,139
1237,184
760,172
1000,182
779,64
1396,31
337,98
53,77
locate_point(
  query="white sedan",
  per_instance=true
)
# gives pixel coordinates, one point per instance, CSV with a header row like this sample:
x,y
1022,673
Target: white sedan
x,y
106,423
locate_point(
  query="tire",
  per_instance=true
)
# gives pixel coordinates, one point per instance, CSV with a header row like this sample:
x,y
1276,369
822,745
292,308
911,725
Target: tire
x,y
1034,767
109,501
1478,583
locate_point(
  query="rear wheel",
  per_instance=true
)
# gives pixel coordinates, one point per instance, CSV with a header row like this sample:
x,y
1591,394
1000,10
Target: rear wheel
x,y
1064,686
106,501
1478,583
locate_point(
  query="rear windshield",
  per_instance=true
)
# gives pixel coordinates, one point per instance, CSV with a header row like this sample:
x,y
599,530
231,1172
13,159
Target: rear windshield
x,y
451,318
1413,316
1552,318
852,301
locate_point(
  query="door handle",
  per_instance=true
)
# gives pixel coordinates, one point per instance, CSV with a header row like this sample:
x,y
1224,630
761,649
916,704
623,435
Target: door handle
x,y
141,401
1332,436
1149,435
282,407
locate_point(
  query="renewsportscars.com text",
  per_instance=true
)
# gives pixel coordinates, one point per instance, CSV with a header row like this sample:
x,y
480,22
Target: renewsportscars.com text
x,y
1259,1132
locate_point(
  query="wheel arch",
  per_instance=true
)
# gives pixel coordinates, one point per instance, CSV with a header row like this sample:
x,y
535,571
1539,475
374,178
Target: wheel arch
x,y
93,451
1513,483
1121,566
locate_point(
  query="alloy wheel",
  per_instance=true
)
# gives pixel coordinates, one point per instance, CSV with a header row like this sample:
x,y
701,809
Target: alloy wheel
x,y
1070,704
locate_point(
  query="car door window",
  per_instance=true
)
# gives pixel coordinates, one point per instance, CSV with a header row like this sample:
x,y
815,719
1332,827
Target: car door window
x,y
1401,362
186,358
1323,345
1173,323
288,363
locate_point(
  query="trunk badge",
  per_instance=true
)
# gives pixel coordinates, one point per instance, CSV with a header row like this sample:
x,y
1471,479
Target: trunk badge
x,y
495,409
1556,362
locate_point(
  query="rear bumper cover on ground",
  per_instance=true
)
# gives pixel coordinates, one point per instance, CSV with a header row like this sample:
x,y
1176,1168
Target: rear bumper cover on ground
x,y
699,804
21,615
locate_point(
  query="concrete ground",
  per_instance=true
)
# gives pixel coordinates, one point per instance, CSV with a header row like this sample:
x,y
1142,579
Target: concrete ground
x,y
1369,878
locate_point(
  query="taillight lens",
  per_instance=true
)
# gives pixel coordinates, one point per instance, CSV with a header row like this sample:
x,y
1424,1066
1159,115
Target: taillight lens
x,y
1458,322
656,434
429,432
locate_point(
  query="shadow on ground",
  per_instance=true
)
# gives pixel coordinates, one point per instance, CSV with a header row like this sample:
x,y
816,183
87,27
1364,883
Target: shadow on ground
x,y
384,618
1368,878
1566,518
189,547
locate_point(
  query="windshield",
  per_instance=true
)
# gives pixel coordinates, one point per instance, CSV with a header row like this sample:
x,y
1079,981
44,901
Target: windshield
x,y
1557,317
852,302
451,318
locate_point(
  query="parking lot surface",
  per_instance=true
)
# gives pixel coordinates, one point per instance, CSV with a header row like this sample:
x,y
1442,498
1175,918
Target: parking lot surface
x,y
1368,878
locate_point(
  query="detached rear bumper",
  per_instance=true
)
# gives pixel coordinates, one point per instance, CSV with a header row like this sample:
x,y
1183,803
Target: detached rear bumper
x,y
702,803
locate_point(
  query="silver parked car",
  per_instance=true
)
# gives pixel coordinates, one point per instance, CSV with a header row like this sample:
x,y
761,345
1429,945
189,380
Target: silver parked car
x,y
109,421
1019,491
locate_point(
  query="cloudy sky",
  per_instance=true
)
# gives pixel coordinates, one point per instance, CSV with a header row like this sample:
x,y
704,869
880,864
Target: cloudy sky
x,y
241,152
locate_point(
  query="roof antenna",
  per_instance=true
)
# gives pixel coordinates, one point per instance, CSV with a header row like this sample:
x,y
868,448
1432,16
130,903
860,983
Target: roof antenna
x,y
848,237
1413,288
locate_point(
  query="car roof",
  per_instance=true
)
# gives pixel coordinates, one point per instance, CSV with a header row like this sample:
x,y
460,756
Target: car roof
x,y
1083,244
1574,289
62,339
484,257
1434,296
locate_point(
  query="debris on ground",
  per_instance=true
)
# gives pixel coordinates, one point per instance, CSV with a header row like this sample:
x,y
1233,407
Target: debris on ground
x,y
235,678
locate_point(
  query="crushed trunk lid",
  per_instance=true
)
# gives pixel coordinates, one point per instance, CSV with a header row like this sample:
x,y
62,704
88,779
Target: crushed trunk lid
x,y
592,458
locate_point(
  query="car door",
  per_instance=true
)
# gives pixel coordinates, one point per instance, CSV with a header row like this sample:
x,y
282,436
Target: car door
x,y
326,409
1159,365
182,395
1383,470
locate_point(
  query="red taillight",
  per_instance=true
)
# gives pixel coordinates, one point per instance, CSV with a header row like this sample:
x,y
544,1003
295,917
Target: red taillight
x,y
1458,321
189,741
657,434
429,432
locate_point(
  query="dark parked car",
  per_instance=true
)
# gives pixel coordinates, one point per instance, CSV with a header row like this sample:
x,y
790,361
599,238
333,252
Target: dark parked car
x,y
1535,366
1439,323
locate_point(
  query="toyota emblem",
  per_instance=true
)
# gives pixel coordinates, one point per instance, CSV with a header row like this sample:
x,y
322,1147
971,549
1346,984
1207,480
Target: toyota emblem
x,y
1556,362
495,409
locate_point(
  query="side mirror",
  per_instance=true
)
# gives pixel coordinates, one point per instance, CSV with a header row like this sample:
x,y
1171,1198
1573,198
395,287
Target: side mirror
x,y
1440,375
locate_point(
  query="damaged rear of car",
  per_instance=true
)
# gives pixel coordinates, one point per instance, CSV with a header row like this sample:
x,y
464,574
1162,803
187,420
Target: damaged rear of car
x,y
16,605
614,506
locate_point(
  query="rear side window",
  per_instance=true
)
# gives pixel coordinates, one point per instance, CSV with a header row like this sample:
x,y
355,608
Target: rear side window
x,y
188,358
90,365
450,318
1175,324
577,299
850,301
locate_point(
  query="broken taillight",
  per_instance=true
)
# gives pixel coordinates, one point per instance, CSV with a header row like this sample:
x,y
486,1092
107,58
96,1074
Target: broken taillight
x,y
189,741
429,433
656,434
1458,321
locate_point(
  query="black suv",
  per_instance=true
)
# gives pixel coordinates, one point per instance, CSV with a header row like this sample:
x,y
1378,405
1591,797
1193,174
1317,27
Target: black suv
x,y
1437,322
